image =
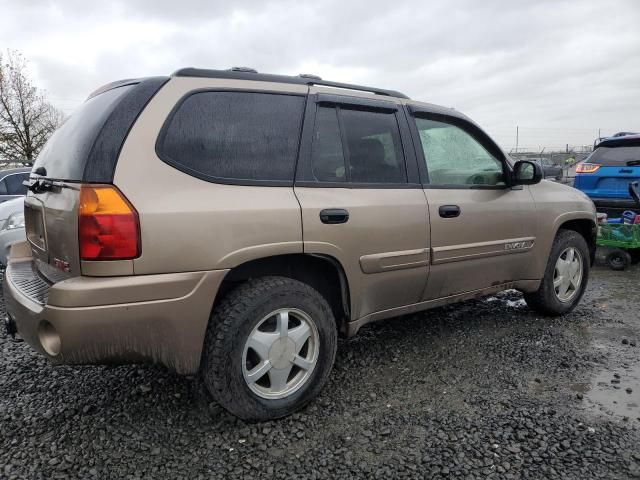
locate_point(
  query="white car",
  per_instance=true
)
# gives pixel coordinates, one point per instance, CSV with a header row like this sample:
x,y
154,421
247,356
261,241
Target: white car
x,y
11,226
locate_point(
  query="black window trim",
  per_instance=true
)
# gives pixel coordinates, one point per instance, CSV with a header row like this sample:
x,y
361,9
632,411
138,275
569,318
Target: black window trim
x,y
105,152
225,180
304,170
347,100
468,127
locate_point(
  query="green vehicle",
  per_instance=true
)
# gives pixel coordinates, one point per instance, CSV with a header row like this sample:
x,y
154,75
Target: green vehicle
x,y
623,238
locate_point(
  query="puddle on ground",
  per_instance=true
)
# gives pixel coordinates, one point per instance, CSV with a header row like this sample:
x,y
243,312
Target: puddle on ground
x,y
614,393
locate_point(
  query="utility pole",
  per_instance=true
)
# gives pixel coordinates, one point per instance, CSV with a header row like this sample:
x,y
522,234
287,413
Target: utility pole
x,y
517,137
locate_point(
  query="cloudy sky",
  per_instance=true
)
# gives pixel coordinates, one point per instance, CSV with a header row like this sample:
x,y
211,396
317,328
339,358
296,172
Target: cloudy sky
x,y
560,70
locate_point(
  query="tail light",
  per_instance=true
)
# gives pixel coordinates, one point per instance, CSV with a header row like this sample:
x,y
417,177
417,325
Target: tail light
x,y
587,167
108,226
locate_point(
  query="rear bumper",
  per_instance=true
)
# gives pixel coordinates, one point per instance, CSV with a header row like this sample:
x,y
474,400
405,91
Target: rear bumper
x,y
88,320
614,206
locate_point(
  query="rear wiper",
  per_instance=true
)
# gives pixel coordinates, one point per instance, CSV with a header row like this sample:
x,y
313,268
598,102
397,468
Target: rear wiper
x,y
39,185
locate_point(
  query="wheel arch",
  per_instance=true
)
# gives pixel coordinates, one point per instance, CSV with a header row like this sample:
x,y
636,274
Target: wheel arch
x,y
322,272
587,228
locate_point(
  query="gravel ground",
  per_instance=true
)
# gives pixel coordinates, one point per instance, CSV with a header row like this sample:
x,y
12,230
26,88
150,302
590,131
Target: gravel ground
x,y
485,389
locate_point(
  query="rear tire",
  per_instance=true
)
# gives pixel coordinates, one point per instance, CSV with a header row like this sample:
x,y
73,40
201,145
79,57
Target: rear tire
x,y
618,259
254,344
557,295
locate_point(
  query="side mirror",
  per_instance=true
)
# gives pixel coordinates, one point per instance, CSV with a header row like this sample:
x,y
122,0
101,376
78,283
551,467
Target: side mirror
x,y
527,173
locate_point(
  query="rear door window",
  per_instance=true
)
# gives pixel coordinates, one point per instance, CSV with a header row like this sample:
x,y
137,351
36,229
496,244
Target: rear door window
x,y
375,150
234,137
357,146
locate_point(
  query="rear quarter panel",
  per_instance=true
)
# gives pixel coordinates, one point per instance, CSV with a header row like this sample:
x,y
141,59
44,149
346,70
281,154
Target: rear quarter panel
x,y
188,224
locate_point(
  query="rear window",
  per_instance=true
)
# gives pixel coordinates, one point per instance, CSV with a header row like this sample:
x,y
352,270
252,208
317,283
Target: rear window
x,y
234,137
65,154
616,156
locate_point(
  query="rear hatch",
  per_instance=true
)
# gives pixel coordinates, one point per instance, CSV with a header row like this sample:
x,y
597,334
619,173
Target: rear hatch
x,y
83,150
607,172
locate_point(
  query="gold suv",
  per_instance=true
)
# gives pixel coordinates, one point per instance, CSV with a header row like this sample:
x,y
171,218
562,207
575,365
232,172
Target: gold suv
x,y
235,223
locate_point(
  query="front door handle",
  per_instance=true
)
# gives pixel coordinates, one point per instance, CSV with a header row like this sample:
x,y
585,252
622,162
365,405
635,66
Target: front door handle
x,y
333,216
449,211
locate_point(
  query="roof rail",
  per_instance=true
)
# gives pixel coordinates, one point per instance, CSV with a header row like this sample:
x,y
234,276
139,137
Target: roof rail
x,y
244,73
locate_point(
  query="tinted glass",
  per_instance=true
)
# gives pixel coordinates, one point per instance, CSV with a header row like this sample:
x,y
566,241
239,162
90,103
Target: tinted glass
x,y
616,156
65,154
327,153
234,135
14,183
375,151
454,157
3,187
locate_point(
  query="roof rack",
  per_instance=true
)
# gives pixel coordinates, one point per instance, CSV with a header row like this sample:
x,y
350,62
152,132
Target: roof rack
x,y
245,73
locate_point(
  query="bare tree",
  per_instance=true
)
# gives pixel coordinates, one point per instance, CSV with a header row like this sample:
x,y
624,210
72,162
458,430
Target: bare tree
x,y
27,120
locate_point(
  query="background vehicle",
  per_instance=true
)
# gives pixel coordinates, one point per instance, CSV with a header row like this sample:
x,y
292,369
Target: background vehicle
x,y
605,174
11,226
550,169
11,183
234,223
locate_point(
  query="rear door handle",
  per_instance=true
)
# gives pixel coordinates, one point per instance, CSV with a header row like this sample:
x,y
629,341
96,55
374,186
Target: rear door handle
x,y
333,216
449,211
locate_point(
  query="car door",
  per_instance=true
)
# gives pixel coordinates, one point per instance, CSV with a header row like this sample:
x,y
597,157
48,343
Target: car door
x,y
361,202
482,230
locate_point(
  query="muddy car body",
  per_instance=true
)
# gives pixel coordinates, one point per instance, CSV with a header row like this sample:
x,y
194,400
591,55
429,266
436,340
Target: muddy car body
x,y
234,223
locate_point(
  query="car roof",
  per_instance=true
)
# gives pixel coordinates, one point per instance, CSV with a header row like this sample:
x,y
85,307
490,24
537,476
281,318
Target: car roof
x,y
245,73
623,141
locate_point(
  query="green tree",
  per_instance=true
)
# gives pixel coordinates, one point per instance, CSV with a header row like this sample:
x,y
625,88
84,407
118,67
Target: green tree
x,y
27,119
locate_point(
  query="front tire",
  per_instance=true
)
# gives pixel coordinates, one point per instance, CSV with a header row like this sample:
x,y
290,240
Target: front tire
x,y
269,348
565,278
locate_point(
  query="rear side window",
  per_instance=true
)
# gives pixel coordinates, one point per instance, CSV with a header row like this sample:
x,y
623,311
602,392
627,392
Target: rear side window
x,y
616,156
234,137
371,152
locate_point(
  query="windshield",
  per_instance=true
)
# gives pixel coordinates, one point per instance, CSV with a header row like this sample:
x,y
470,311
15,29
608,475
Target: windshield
x,y
65,154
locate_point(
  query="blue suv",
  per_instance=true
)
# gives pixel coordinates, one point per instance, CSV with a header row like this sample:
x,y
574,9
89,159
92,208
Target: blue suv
x,y
605,175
